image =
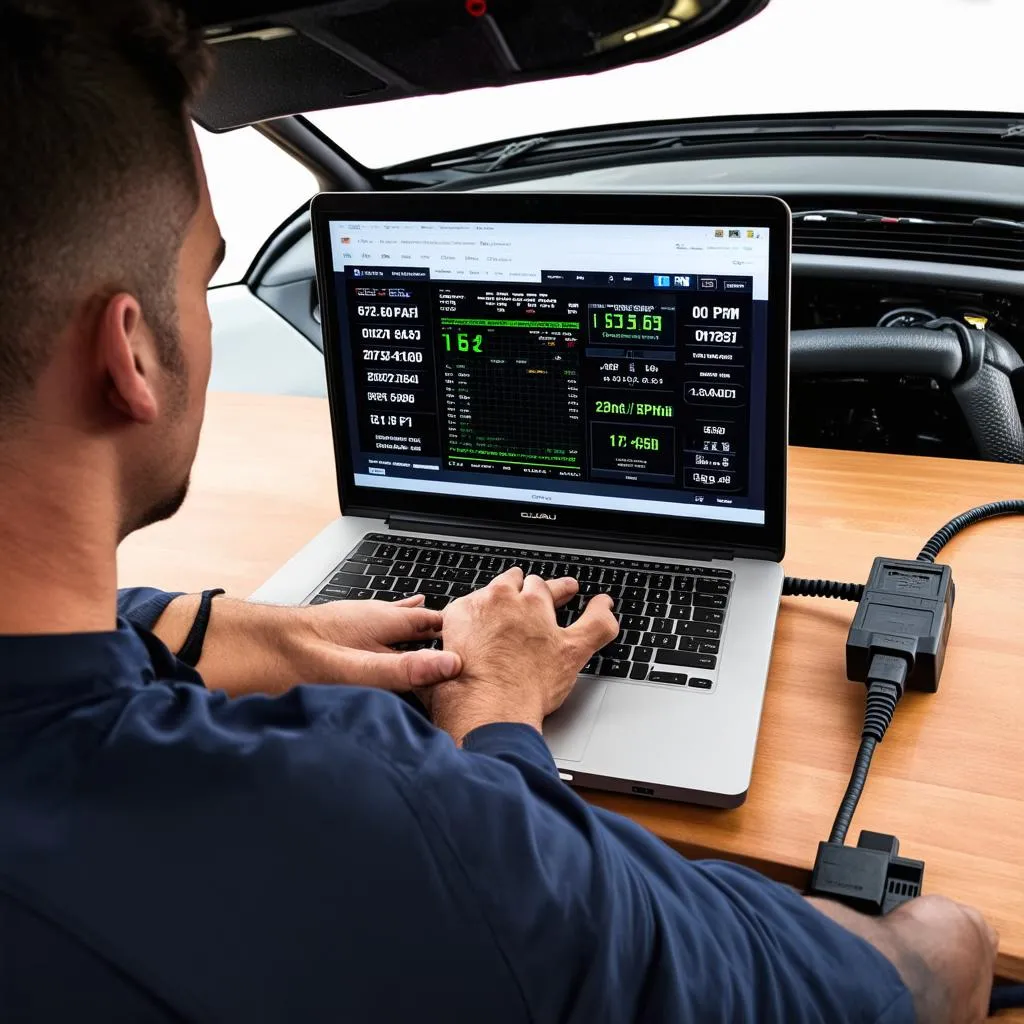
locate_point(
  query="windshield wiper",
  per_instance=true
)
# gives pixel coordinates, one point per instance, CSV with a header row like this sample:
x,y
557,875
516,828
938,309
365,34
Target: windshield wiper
x,y
636,139
513,151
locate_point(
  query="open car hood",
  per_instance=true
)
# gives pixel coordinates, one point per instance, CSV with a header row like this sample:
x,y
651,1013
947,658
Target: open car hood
x,y
275,58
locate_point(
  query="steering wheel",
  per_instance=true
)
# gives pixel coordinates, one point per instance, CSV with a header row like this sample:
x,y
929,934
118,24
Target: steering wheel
x,y
978,364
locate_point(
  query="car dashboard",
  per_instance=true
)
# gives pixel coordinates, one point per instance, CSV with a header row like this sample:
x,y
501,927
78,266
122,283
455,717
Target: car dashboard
x,y
959,253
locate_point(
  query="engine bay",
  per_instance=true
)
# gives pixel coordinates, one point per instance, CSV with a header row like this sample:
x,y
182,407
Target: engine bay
x,y
900,414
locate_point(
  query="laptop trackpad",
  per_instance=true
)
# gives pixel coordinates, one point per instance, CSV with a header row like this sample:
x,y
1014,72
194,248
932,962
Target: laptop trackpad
x,y
568,729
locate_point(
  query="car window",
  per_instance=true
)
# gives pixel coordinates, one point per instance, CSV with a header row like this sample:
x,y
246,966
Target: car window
x,y
254,185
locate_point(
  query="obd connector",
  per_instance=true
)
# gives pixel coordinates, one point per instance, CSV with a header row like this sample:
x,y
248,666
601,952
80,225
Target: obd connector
x,y
905,611
870,877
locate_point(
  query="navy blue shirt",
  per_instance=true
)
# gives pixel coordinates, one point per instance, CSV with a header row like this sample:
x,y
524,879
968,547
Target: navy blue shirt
x,y
167,853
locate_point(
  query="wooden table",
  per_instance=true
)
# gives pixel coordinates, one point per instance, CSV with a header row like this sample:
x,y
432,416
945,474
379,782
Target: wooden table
x,y
949,777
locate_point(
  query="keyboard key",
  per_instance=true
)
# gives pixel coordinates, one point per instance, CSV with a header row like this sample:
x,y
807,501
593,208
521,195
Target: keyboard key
x,y
470,562
709,600
689,643
347,579
656,609
407,584
682,584
432,587
638,671
447,573
361,595
613,577
406,554
436,602
659,640
640,622
666,677
387,595
636,579
679,611
635,593
588,574
685,660
712,587
616,669
658,596
642,654
366,548
663,626
491,564
338,593
449,558
711,630
373,560
428,557
590,669
616,652
402,568
630,637
708,647
423,571
660,581
681,600
700,684
575,603
382,583
388,551
324,599
359,568
627,607
708,615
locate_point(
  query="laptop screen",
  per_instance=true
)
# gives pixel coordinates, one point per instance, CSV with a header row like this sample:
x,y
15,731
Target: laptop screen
x,y
593,366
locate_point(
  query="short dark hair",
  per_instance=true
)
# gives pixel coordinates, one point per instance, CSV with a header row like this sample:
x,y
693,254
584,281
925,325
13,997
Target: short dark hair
x,y
97,178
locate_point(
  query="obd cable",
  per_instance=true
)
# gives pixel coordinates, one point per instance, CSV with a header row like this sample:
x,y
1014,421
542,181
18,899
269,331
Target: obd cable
x,y
897,641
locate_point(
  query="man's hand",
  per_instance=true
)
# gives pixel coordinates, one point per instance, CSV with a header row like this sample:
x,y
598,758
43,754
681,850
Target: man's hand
x,y
945,953
518,664
251,648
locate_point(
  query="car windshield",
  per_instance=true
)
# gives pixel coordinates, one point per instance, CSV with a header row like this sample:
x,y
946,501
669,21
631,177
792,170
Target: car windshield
x,y
797,56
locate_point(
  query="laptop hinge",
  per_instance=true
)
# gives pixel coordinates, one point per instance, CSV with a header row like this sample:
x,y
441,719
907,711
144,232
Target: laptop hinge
x,y
534,538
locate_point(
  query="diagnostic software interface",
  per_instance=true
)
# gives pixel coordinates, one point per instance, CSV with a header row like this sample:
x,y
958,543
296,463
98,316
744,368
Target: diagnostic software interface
x,y
599,366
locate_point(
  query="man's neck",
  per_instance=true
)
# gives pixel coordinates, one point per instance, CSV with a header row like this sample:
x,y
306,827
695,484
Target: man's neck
x,y
58,547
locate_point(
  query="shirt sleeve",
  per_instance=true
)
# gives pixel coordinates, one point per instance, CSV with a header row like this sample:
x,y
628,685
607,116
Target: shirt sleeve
x,y
143,606
600,921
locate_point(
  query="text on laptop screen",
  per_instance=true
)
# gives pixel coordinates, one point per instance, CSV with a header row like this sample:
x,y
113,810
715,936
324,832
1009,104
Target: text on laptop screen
x,y
577,365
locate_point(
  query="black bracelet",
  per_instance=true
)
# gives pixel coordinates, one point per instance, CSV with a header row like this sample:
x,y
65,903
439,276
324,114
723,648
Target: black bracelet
x,y
192,648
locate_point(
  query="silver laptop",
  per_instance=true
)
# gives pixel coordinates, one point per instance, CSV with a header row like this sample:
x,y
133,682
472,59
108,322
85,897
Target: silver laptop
x,y
585,385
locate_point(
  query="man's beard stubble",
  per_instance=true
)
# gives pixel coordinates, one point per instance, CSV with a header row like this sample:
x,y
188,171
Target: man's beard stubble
x,y
168,339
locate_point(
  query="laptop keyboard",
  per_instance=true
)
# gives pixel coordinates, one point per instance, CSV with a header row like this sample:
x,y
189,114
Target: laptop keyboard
x,y
671,616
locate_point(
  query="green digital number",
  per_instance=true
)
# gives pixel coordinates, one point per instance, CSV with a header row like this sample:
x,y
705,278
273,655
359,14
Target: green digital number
x,y
463,342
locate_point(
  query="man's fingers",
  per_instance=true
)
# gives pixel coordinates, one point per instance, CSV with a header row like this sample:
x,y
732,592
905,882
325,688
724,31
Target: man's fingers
x,y
410,602
597,625
564,589
397,671
509,578
409,624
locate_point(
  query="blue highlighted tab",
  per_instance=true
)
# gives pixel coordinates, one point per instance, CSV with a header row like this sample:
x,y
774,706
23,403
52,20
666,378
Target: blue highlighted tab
x,y
662,281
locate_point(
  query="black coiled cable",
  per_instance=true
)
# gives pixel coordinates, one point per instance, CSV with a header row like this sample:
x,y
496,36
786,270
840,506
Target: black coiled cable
x,y
1012,506
795,586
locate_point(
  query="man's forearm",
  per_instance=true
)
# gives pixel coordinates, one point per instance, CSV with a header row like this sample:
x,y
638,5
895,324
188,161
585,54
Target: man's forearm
x,y
246,645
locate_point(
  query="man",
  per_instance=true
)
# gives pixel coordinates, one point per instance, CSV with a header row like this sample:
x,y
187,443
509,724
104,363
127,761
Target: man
x,y
173,851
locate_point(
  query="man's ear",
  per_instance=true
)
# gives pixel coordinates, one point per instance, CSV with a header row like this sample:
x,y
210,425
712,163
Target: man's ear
x,y
126,356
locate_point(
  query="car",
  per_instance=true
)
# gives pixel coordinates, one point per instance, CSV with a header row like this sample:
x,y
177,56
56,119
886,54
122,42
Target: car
x,y
894,150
